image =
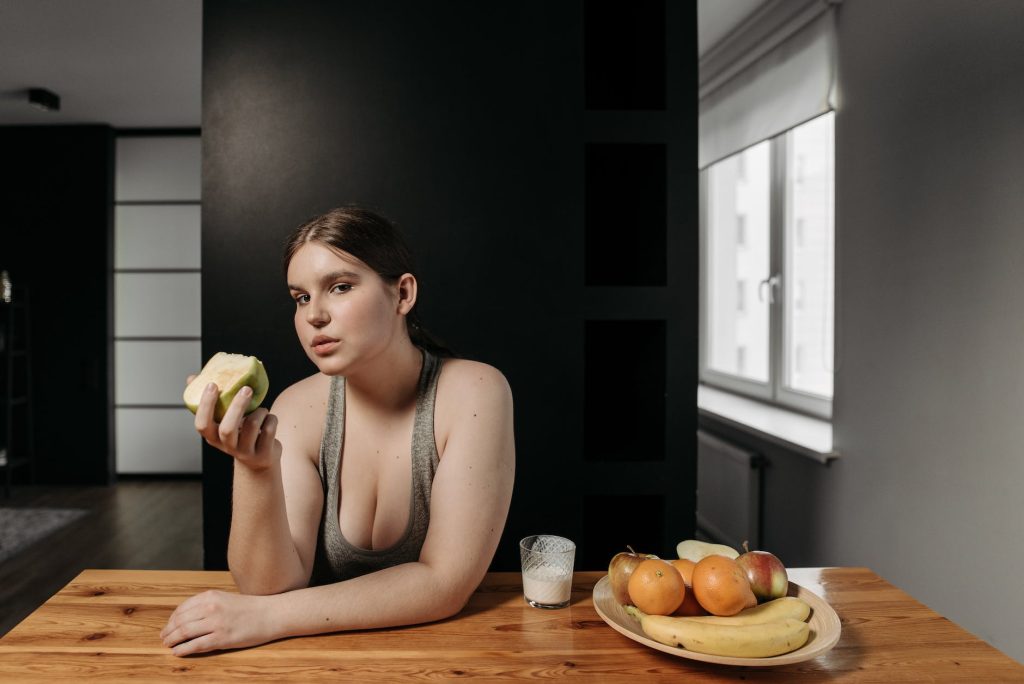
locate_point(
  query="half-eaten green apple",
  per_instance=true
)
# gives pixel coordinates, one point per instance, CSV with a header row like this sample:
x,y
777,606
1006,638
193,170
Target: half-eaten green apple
x,y
230,372
619,571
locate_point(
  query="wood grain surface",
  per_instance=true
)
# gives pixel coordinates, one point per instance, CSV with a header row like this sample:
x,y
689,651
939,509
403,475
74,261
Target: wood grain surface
x,y
105,625
117,532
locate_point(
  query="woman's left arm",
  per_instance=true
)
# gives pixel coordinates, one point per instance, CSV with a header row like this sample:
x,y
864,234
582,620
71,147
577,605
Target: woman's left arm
x,y
470,499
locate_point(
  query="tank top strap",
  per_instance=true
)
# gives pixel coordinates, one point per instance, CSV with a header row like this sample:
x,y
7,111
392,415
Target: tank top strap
x,y
424,445
334,432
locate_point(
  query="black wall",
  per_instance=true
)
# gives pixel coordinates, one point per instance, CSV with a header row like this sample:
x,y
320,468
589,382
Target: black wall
x,y
56,195
468,124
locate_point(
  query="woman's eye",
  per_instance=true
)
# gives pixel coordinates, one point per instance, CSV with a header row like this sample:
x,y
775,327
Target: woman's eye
x,y
345,287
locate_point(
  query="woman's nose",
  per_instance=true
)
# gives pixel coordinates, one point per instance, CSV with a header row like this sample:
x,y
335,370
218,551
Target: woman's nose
x,y
316,315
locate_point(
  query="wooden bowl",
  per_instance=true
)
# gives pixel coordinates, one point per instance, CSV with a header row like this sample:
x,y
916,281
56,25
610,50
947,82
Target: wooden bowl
x,y
824,624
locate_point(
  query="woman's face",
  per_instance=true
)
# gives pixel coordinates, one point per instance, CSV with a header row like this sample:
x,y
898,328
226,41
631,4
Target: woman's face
x,y
344,311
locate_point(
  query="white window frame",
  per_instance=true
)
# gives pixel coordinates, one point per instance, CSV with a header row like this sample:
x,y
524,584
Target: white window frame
x,y
773,391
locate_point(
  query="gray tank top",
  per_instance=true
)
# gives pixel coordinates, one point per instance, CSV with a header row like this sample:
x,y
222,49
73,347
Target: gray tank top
x,y
336,559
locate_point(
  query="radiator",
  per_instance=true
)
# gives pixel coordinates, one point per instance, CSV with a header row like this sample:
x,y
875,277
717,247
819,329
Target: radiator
x,y
728,492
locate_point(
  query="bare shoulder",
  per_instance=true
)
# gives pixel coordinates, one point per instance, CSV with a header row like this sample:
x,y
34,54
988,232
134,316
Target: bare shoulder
x,y
470,394
301,409
305,393
463,380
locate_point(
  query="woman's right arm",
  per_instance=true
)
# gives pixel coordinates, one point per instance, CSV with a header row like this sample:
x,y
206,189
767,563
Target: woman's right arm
x,y
277,496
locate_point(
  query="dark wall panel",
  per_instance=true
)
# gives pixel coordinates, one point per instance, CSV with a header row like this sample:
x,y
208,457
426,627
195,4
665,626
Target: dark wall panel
x,y
625,54
613,526
631,428
56,194
625,214
462,121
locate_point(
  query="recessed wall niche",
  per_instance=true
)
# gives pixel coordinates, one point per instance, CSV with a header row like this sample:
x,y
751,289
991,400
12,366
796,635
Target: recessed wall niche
x,y
624,54
612,524
625,215
624,391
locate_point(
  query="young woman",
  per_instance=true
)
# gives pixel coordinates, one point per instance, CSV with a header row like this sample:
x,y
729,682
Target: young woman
x,y
372,493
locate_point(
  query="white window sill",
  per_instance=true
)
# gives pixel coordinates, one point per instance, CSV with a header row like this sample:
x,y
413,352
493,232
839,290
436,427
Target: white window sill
x,y
810,437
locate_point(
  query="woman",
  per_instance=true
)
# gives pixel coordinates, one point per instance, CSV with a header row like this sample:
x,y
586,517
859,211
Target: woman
x,y
329,531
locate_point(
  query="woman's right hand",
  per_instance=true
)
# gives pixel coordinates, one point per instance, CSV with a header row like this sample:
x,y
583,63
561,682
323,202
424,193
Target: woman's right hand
x,y
250,440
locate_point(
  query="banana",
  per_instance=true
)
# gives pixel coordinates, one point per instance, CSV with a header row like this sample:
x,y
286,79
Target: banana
x,y
741,641
771,611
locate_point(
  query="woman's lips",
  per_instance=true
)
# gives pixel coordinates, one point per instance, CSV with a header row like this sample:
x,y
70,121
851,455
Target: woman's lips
x,y
324,347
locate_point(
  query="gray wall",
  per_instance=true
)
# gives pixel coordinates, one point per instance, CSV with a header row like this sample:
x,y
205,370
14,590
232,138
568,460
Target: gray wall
x,y
929,405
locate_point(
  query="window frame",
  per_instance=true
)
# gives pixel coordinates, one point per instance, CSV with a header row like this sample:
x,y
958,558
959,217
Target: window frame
x,y
774,390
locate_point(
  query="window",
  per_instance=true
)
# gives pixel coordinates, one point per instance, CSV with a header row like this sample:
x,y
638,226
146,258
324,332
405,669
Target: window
x,y
775,343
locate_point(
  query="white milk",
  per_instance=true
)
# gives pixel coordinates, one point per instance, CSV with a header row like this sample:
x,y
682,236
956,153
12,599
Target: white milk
x,y
547,585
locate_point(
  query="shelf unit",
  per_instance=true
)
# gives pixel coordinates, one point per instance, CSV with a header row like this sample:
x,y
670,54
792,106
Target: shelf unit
x,y
17,446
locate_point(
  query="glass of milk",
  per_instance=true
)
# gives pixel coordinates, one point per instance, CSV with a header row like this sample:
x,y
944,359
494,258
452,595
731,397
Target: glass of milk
x,y
547,570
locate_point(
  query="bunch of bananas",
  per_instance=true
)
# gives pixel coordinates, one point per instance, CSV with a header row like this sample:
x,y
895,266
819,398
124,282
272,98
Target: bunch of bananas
x,y
769,629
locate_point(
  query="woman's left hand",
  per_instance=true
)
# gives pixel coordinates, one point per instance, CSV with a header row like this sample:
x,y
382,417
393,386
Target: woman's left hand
x,y
216,620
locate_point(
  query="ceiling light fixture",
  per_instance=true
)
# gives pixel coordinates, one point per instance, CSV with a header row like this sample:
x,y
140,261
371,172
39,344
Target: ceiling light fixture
x,y
44,99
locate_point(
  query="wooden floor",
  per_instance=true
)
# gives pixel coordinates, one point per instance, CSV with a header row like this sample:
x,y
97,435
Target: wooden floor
x,y
136,524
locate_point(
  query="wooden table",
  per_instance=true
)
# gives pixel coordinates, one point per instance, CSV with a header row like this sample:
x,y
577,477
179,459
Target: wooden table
x,y
105,625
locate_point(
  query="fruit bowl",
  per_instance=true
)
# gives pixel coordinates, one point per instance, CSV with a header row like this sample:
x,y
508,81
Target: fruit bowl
x,y
824,624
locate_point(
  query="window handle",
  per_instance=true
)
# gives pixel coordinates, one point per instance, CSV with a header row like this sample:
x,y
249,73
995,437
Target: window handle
x,y
772,282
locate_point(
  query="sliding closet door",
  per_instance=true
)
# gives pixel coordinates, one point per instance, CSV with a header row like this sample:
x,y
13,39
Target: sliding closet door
x,y
157,302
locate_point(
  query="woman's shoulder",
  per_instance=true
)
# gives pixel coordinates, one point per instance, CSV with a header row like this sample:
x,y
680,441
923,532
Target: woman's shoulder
x,y
467,390
301,409
466,378
471,397
306,393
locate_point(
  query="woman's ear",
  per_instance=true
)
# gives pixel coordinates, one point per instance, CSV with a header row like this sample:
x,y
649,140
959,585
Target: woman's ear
x,y
407,288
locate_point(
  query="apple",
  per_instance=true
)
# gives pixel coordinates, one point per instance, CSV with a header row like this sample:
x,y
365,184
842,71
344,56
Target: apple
x,y
230,372
767,574
696,550
620,570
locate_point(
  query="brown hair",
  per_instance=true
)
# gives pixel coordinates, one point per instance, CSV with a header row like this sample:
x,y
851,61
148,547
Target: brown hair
x,y
376,242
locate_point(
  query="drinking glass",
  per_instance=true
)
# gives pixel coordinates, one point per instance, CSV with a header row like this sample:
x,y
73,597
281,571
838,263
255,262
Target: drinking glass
x,y
547,570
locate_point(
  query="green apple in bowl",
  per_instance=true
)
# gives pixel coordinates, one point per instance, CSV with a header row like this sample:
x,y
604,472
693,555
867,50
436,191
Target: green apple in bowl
x,y
230,372
695,550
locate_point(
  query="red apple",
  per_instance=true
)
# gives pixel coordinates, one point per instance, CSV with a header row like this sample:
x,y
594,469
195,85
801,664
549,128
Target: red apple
x,y
619,571
767,574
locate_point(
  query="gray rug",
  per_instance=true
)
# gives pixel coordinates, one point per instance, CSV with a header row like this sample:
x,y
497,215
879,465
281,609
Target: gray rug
x,y
22,527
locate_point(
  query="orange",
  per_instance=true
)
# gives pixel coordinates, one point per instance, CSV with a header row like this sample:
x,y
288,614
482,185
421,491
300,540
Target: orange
x,y
656,588
690,605
721,586
685,568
